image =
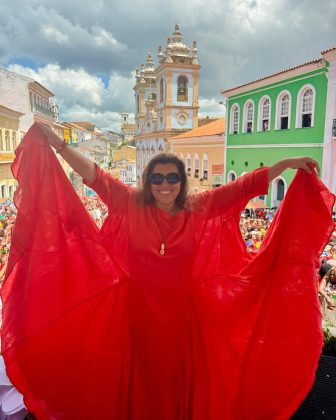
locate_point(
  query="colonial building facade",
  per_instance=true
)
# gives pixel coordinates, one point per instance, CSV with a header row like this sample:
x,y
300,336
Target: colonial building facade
x,y
166,98
30,98
201,149
290,113
9,139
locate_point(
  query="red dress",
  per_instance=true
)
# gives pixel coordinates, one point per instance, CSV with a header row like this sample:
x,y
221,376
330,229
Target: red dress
x,y
100,325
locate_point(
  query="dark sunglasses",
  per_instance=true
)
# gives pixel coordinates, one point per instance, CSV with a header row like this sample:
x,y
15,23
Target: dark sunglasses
x,y
157,178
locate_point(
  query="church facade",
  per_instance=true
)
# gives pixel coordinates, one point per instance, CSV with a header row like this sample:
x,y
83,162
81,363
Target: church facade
x,y
166,98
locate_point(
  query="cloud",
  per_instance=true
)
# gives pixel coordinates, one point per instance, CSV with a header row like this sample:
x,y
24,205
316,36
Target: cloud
x,y
81,95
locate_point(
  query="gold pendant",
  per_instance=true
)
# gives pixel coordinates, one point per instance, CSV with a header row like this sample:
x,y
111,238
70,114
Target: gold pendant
x,y
162,250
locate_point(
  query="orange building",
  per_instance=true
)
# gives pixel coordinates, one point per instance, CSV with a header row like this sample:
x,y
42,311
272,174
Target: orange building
x,y
202,150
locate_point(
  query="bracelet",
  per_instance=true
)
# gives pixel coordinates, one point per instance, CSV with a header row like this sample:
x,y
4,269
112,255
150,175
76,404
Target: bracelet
x,y
61,147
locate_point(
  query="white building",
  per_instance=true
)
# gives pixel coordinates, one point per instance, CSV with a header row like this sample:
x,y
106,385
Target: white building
x,y
166,98
30,98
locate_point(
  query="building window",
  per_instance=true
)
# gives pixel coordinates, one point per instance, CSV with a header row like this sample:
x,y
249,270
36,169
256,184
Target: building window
x,y
154,99
10,191
188,164
248,117
264,114
305,108
138,104
205,166
196,166
231,176
234,126
7,140
182,88
3,191
14,142
280,190
161,90
283,111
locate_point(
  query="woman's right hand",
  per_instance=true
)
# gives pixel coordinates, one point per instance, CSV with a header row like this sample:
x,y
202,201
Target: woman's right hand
x,y
52,138
331,304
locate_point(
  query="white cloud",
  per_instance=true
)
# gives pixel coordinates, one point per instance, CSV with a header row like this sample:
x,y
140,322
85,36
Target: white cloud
x,y
105,38
54,33
212,107
79,93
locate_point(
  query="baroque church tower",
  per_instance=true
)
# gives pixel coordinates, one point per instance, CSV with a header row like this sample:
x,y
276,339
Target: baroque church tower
x,y
166,98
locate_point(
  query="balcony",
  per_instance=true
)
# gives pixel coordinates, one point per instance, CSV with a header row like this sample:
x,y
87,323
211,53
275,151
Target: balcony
x,y
45,111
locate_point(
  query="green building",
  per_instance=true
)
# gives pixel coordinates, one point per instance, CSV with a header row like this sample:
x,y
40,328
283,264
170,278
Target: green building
x,y
290,113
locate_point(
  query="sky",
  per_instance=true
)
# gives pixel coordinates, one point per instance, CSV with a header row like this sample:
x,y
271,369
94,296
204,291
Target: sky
x,y
86,52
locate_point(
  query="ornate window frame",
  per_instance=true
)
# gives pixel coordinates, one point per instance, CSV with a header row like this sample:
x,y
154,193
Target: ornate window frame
x,y
264,120
279,110
300,111
234,119
248,120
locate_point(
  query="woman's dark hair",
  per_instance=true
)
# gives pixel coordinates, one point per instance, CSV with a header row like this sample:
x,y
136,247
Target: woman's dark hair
x,y
164,158
324,269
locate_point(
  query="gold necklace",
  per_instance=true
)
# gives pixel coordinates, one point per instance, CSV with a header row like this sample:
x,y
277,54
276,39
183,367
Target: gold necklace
x,y
164,237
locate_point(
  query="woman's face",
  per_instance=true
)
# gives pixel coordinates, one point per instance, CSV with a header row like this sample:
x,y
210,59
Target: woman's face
x,y
165,194
332,276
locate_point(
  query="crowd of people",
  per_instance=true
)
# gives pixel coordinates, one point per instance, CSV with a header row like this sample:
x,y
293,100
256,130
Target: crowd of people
x,y
96,209
7,220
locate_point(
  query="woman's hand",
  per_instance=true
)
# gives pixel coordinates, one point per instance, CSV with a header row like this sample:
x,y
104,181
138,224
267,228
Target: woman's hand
x,y
306,163
52,138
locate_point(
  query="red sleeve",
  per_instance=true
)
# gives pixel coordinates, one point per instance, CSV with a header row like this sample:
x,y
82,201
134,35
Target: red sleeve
x,y
233,196
112,192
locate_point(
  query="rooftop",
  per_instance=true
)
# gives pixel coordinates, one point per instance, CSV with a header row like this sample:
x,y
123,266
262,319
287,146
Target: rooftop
x,y
213,128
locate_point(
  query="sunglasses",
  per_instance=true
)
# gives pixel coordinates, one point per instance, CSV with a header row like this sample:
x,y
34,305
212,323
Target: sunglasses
x,y
157,178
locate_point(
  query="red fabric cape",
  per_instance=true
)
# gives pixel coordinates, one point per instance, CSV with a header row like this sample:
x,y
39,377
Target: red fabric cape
x,y
254,324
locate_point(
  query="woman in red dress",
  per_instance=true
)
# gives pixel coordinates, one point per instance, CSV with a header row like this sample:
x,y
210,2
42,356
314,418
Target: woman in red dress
x,y
162,314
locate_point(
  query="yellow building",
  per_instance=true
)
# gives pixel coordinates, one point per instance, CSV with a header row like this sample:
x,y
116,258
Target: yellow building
x,y
9,140
202,150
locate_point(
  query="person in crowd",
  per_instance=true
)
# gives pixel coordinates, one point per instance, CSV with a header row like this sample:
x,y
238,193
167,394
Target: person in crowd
x,y
327,286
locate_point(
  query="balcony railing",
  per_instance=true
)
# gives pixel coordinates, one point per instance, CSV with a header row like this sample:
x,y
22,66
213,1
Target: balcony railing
x,y
43,110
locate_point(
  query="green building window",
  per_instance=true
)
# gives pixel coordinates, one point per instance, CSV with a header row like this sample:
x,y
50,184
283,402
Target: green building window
x,y
264,114
280,190
248,117
284,113
234,119
305,108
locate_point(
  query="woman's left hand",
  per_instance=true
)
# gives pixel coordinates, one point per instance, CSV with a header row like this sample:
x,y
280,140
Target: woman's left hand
x,y
306,163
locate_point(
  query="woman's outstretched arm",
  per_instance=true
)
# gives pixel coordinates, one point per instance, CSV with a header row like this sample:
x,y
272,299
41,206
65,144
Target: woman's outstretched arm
x,y
79,163
306,163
